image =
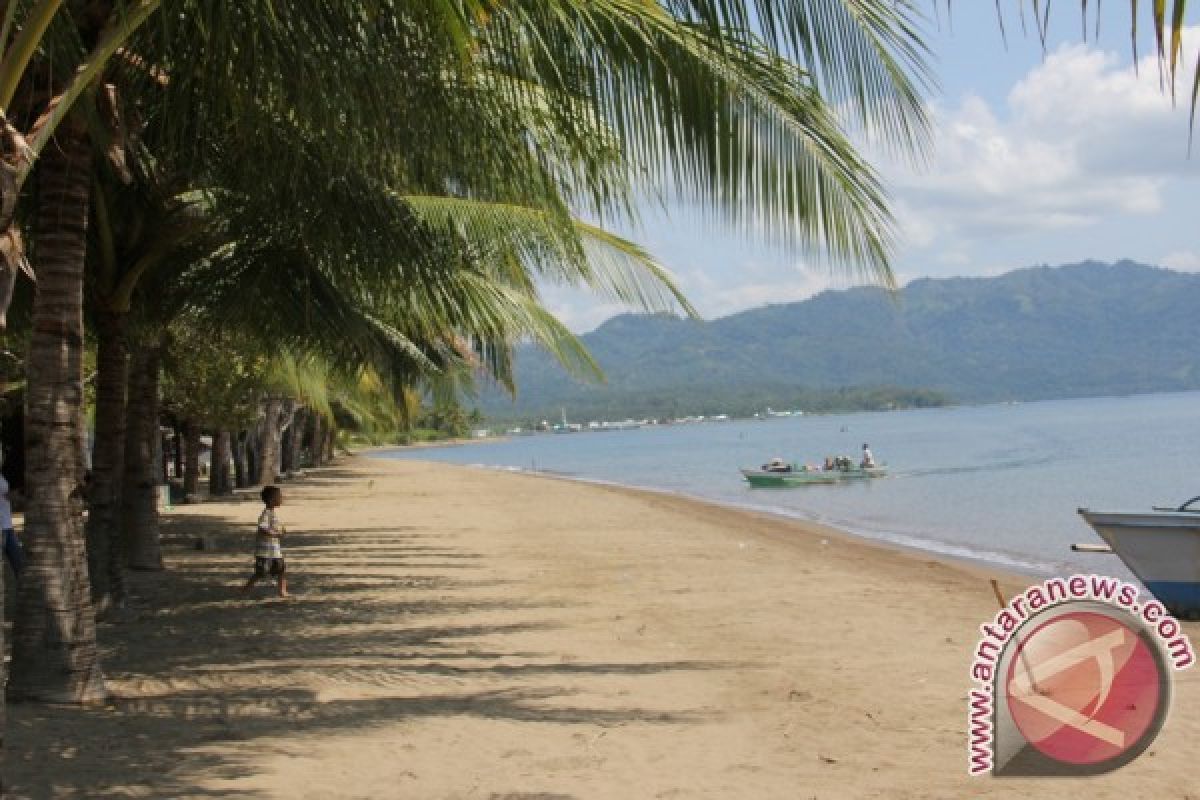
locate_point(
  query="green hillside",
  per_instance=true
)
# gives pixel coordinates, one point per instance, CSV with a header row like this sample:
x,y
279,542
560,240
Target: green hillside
x,y
1078,330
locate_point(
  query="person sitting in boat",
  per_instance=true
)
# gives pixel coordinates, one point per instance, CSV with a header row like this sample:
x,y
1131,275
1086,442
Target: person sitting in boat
x,y
777,465
868,460
829,466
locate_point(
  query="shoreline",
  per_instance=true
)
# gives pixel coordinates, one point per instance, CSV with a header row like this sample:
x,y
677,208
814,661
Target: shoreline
x,y
933,549
804,526
783,530
459,633
458,442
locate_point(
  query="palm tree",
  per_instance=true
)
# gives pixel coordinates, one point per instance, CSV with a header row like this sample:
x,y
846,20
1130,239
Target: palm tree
x,y
487,118
31,121
137,224
213,378
54,656
742,126
70,671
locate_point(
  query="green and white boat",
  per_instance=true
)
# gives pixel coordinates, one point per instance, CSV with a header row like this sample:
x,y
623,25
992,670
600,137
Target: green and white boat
x,y
800,475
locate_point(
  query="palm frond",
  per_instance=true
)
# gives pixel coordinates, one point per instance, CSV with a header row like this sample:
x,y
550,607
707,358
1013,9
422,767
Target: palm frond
x,y
567,251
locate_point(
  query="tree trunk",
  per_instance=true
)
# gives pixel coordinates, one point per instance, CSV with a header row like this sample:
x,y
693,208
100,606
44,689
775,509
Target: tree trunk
x,y
177,452
241,470
254,456
190,444
139,490
106,561
293,437
269,458
304,447
316,445
299,424
330,442
218,466
162,455
287,448
55,657
12,254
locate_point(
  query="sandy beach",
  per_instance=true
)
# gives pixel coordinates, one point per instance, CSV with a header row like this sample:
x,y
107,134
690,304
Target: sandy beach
x,y
460,633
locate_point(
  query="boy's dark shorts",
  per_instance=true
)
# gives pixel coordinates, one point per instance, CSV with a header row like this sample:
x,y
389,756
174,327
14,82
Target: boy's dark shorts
x,y
274,566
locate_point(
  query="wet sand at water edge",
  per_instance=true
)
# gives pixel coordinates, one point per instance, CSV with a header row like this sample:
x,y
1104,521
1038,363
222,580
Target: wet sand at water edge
x,y
460,633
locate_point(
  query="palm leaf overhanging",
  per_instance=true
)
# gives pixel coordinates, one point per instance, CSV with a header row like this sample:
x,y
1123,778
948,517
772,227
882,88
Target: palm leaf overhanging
x,y
371,194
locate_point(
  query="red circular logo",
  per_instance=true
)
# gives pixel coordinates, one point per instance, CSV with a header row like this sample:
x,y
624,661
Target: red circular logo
x,y
1085,688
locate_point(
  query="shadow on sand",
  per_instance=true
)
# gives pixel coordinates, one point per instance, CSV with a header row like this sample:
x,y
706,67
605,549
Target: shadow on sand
x,y
187,628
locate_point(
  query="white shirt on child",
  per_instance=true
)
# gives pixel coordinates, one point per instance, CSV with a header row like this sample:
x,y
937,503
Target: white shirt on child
x,y
266,542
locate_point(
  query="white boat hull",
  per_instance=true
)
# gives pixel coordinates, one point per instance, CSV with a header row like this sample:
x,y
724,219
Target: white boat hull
x,y
1162,548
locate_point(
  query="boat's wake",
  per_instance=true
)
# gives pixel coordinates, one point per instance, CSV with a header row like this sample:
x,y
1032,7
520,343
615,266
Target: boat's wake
x,y
966,469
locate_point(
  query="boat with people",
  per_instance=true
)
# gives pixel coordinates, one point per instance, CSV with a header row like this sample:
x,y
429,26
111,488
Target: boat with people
x,y
1161,547
778,473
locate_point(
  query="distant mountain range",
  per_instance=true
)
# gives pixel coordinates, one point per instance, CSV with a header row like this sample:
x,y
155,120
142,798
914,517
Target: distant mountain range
x,y
1078,330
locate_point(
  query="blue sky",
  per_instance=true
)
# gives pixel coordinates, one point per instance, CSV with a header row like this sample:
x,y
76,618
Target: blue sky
x,y
1037,159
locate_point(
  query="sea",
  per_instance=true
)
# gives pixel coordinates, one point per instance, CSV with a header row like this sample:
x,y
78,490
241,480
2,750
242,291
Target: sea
x,y
991,484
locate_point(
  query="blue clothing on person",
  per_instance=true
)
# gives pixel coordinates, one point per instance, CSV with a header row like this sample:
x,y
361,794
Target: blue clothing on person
x,y
12,545
13,551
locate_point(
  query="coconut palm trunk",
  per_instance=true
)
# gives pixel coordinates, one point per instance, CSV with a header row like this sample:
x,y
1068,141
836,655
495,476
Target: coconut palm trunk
x,y
293,438
106,561
162,457
139,489
218,471
241,467
253,452
299,430
269,460
316,441
177,452
330,442
287,449
55,657
190,444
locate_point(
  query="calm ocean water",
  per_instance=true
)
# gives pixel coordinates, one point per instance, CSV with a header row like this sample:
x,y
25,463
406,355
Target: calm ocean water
x,y
994,483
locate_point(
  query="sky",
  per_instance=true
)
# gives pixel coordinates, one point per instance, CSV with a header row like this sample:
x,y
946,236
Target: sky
x,y
1037,157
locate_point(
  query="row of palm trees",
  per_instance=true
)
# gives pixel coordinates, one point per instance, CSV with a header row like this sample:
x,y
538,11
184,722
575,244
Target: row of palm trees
x,y
379,188
260,212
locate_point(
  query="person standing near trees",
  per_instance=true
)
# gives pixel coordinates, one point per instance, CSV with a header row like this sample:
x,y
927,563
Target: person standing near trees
x,y
12,545
268,551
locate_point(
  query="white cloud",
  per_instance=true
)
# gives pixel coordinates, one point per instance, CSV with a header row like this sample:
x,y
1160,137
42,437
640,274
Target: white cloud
x,y
747,284
721,301
1079,139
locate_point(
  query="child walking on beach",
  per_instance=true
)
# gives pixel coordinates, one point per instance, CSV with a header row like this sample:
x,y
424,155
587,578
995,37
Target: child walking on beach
x,y
268,552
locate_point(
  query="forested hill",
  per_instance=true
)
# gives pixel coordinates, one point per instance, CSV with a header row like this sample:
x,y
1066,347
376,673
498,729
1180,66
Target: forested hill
x,y
1077,330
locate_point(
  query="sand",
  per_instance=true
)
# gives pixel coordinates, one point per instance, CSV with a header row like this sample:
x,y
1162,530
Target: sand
x,y
461,633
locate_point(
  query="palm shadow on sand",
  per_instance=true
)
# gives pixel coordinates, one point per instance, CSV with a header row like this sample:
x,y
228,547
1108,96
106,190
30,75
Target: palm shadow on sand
x,y
187,651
